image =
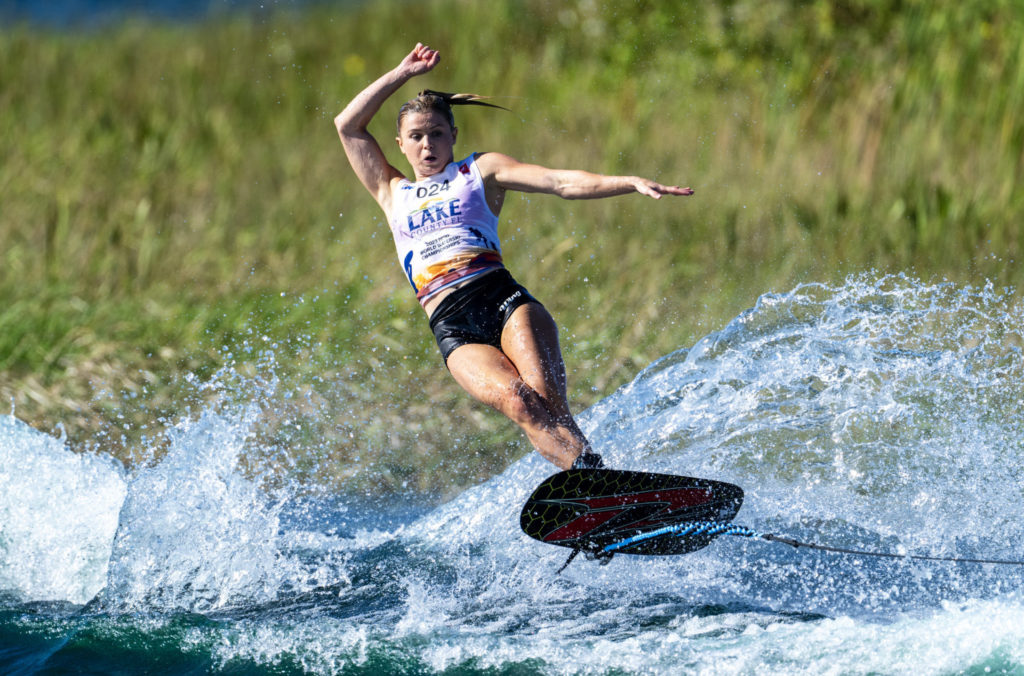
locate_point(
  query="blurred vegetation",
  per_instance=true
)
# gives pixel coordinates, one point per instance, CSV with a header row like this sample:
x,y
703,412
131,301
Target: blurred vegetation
x,y
173,200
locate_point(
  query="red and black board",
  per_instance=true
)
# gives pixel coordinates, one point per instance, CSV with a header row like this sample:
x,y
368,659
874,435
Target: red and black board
x,y
589,509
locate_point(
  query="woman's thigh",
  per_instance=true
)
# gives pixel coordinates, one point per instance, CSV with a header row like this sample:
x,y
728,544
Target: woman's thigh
x,y
485,372
530,341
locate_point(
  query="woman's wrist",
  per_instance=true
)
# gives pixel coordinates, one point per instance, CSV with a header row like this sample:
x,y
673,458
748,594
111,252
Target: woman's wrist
x,y
402,75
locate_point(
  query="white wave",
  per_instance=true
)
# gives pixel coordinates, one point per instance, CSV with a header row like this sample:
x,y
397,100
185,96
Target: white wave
x,y
981,636
58,515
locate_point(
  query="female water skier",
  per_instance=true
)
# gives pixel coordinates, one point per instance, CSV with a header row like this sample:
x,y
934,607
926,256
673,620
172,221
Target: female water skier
x,y
498,342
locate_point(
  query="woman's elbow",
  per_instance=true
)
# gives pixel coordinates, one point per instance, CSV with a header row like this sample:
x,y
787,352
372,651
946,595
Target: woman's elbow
x,y
570,192
348,124
566,189
341,123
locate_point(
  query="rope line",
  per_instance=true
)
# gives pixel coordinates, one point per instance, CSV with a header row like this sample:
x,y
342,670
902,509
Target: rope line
x,y
888,555
713,528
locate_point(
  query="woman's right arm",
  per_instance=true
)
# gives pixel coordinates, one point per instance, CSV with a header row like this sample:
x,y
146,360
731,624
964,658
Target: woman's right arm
x,y
363,151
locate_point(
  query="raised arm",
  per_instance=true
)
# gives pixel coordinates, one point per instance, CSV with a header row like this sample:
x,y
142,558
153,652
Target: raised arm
x,y
363,151
510,174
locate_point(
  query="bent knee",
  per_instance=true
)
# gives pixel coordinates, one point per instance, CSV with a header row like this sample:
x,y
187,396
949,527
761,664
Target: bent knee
x,y
523,405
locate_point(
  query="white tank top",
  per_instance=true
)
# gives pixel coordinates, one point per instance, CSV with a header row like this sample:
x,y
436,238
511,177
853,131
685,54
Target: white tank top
x,y
444,230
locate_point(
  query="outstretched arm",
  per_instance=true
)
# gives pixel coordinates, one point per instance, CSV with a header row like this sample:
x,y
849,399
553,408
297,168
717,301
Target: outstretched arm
x,y
362,149
510,174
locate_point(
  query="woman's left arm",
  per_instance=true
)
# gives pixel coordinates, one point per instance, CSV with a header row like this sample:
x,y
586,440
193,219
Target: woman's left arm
x,y
511,174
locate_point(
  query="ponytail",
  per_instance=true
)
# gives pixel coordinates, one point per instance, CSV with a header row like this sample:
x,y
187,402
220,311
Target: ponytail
x,y
460,99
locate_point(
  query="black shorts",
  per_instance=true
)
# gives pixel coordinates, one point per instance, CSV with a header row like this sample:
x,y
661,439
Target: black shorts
x,y
477,312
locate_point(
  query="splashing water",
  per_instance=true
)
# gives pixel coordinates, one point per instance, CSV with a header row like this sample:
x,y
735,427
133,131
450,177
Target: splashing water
x,y
879,414
196,534
58,514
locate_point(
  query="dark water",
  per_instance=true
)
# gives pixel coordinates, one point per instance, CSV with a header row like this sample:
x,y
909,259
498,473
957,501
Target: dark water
x,y
76,14
880,414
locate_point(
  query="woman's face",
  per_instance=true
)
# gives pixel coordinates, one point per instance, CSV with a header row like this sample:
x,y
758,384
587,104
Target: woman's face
x,y
427,140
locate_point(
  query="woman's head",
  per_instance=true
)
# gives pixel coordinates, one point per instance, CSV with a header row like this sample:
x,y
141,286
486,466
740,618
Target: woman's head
x,y
427,131
427,102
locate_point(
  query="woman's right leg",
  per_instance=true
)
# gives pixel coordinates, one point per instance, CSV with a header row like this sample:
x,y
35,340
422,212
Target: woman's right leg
x,y
491,377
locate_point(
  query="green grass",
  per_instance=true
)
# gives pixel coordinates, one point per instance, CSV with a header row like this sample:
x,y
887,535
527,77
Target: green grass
x,y
174,199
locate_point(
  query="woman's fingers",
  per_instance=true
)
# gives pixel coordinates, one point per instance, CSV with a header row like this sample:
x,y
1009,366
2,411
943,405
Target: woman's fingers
x,y
429,56
421,59
656,190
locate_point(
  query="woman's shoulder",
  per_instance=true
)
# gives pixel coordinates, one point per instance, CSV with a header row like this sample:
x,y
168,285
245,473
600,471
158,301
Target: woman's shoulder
x,y
397,182
471,164
489,162
472,158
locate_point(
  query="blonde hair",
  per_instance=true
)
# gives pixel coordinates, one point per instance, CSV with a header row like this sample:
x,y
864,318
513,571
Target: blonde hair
x,y
428,101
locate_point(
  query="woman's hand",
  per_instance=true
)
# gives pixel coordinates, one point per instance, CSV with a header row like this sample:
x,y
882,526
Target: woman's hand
x,y
656,190
420,60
